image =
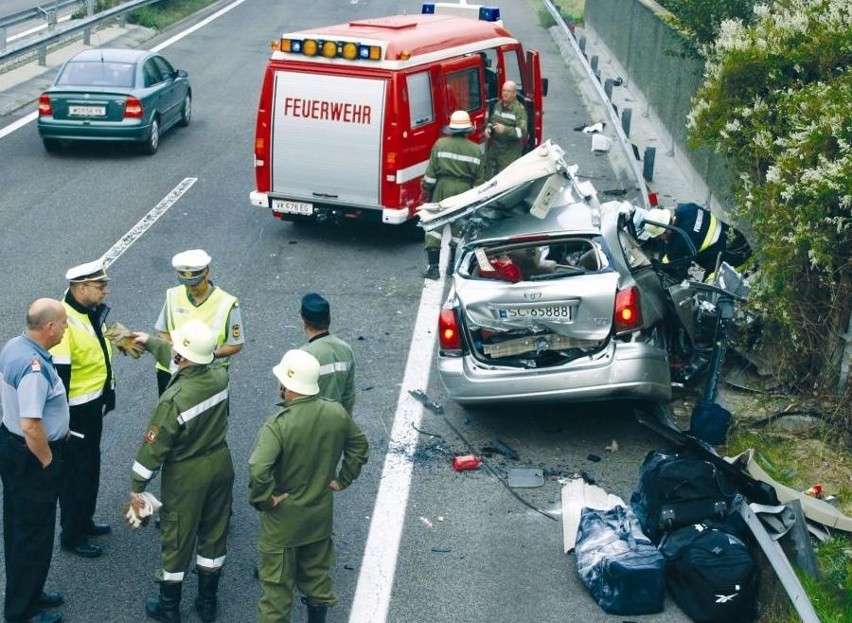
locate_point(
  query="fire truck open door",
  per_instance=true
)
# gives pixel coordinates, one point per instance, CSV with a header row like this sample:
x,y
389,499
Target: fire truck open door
x,y
536,90
464,80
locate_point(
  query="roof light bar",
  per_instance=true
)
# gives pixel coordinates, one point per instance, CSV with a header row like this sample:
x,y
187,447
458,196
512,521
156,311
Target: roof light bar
x,y
349,50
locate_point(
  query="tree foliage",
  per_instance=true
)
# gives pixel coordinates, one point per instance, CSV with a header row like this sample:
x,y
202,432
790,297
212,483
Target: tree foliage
x,y
701,19
776,101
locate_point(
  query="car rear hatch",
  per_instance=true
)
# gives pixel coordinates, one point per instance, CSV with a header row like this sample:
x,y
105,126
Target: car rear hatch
x,y
536,304
91,105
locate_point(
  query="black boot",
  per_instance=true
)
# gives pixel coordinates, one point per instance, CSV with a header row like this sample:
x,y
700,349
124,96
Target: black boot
x,y
451,264
316,614
433,256
167,607
205,603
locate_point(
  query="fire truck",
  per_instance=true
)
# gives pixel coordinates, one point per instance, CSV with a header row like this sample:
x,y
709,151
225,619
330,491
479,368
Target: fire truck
x,y
348,113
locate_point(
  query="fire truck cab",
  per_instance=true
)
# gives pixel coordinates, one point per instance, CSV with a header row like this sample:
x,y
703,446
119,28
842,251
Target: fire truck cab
x,y
348,113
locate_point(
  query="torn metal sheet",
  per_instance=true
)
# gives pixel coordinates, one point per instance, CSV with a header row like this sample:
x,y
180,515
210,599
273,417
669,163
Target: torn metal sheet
x,y
816,510
525,477
576,495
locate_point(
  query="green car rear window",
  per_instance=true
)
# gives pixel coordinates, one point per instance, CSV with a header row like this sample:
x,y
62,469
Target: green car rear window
x,y
97,74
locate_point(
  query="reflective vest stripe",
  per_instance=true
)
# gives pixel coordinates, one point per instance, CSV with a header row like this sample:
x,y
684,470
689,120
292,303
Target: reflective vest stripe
x,y
201,407
713,233
84,398
85,326
210,563
331,368
172,577
142,471
459,157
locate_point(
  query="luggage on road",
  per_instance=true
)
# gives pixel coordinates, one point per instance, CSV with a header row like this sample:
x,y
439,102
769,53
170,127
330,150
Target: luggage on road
x,y
619,565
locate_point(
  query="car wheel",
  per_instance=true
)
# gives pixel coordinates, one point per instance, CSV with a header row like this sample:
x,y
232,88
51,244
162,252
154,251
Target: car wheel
x,y
152,143
186,113
51,145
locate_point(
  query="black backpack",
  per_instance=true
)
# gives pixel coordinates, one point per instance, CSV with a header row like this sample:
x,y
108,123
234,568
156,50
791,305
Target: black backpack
x,y
710,574
678,489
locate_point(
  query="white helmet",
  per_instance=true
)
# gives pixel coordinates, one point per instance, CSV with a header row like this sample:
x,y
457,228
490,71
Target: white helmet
x,y
658,215
459,123
195,341
298,371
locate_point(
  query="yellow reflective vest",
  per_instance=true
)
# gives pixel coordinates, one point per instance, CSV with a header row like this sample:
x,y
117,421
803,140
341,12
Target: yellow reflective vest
x,y
213,312
81,349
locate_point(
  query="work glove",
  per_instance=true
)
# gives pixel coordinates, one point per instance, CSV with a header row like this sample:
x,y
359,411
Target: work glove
x,y
139,516
123,339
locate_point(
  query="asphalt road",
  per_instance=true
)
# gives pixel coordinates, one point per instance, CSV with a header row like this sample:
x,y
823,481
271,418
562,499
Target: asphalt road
x,y
469,551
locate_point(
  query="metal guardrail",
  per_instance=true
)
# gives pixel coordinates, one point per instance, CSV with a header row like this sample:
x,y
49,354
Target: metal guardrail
x,y
28,15
83,26
607,102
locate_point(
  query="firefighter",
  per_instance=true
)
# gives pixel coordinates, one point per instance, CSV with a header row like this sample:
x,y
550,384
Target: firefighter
x,y
186,438
708,234
506,131
454,167
83,360
293,476
198,298
337,360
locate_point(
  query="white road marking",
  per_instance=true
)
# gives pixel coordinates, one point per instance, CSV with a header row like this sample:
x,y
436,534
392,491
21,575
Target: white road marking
x,y
17,125
146,221
375,580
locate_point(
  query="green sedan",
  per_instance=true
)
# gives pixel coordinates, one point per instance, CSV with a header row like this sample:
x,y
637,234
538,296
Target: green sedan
x,y
113,94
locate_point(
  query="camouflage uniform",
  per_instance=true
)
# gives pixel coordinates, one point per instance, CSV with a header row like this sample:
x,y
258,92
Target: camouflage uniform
x,y
504,148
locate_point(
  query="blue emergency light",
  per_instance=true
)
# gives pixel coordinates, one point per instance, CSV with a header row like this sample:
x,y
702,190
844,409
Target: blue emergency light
x,y
489,13
428,9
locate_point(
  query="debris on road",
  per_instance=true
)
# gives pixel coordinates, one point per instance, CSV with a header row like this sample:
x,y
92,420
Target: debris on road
x,y
525,477
465,462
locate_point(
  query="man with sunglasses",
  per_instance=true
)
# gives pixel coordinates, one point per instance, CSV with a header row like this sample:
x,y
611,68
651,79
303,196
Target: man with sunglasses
x,y
83,360
197,298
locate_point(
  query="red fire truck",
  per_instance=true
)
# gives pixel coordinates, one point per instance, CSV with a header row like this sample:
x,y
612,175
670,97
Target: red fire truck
x,y
348,114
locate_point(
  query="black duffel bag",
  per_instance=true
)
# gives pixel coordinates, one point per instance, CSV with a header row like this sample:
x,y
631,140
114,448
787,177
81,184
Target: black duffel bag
x,y
679,489
710,574
619,565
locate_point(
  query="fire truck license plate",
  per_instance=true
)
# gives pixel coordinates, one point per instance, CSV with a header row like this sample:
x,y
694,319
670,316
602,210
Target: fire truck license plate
x,y
87,111
555,313
292,207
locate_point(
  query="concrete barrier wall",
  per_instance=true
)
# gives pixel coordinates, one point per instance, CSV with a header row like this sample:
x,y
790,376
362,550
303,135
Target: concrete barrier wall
x,y
653,56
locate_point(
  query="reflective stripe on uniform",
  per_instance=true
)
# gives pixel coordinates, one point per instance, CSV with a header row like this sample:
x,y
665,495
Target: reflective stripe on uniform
x,y
458,157
172,577
336,366
210,563
201,407
142,471
81,325
81,400
713,233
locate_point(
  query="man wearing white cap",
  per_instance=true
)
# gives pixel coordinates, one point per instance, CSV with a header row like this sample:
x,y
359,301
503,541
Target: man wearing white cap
x,y
293,475
197,298
454,167
186,440
710,236
83,360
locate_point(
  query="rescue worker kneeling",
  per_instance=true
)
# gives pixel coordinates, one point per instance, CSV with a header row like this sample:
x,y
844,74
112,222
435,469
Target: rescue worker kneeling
x,y
186,437
293,476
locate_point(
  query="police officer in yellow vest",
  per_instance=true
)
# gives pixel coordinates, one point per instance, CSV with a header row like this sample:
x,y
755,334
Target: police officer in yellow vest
x,y
295,469
197,298
83,360
337,360
506,131
708,233
186,439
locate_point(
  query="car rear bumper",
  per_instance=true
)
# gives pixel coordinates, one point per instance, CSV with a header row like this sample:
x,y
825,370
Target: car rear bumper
x,y
93,131
632,370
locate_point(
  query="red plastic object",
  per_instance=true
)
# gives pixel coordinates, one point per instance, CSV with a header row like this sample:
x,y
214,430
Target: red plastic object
x,y
465,462
652,199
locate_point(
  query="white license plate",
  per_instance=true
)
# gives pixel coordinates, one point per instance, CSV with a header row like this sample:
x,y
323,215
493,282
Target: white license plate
x,y
552,313
87,111
292,207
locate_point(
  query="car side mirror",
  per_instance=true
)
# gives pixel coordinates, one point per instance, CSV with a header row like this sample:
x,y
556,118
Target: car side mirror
x,y
181,73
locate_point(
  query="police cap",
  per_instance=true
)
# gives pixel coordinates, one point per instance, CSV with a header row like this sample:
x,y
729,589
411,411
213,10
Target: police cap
x,y
90,271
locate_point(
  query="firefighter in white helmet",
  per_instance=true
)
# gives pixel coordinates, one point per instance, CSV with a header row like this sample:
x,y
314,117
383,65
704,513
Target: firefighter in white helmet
x,y
186,440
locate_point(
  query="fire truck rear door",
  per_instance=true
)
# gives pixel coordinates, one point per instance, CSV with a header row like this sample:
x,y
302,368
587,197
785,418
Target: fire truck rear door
x,y
326,137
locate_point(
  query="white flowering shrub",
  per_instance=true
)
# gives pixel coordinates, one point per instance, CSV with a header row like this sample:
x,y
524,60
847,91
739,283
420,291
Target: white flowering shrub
x,y
777,102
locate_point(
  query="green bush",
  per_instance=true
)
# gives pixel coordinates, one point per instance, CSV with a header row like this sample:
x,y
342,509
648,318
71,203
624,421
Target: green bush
x,y
775,101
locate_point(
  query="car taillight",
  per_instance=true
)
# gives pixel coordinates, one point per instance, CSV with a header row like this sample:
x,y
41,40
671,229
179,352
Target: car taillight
x,y
628,311
44,105
448,330
133,108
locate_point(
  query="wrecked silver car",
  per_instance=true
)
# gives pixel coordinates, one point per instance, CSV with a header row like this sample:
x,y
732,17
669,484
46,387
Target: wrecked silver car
x,y
560,304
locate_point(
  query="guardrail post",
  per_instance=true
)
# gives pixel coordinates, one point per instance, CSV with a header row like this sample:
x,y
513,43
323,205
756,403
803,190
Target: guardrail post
x,y
626,118
608,84
42,55
648,164
87,34
90,7
582,44
593,62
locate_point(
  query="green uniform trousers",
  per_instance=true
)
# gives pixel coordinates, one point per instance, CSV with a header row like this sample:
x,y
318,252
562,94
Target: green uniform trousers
x,y
197,495
307,567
